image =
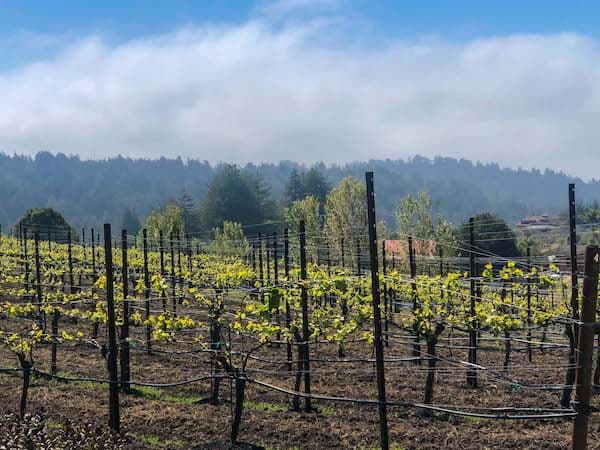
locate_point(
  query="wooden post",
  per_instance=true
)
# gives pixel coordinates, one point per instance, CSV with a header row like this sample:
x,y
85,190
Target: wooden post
x,y
268,256
529,321
125,370
38,276
413,274
441,255
328,258
275,258
54,344
260,260
161,244
253,257
26,259
304,304
288,316
96,324
70,256
358,258
318,254
147,290
113,399
188,249
471,372
386,302
573,254
173,280
383,426
276,278
93,258
572,332
179,270
583,379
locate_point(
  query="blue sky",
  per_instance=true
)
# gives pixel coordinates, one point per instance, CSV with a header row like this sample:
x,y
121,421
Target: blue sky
x,y
459,18
119,21
512,82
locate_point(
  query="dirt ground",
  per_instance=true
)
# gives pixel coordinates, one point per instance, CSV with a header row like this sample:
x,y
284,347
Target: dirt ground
x,y
177,418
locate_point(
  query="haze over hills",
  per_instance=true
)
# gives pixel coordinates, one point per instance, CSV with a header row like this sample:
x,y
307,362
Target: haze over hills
x,y
90,192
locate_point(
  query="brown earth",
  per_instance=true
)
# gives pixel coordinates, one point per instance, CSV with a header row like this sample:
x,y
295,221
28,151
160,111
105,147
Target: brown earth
x,y
175,417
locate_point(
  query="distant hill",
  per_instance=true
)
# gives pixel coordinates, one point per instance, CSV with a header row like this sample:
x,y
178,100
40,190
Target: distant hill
x,y
89,193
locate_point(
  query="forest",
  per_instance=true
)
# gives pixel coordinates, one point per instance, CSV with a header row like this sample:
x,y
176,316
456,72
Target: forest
x,y
91,192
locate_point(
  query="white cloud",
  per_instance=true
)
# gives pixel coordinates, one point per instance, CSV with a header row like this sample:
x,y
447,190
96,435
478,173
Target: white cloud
x,y
252,93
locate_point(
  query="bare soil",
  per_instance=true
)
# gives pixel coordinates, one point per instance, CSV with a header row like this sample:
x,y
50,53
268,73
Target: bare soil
x,y
177,418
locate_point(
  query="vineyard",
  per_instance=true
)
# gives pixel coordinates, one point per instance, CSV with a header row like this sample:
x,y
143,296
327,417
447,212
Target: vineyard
x,y
293,340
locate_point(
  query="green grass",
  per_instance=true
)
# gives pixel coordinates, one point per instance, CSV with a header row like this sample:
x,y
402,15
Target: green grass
x,y
154,393
158,394
325,410
82,384
278,407
148,391
144,391
179,399
156,441
265,406
152,440
473,419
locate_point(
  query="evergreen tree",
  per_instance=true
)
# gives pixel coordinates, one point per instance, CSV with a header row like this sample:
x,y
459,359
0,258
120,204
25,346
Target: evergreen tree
x,y
294,189
266,206
98,191
492,235
314,183
236,197
299,186
130,222
189,212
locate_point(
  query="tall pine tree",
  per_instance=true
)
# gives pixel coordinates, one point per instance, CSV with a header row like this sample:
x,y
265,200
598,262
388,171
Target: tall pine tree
x,y
131,222
237,197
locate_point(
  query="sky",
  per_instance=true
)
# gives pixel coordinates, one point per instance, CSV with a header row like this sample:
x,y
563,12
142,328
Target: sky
x,y
516,83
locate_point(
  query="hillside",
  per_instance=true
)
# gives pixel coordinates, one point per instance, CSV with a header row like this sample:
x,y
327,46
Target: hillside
x,y
90,192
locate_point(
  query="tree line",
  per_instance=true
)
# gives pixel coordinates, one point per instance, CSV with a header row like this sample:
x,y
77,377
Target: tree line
x,y
91,192
237,207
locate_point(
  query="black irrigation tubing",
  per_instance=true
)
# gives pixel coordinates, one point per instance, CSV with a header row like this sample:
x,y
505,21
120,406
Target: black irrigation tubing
x,y
282,362
497,339
538,344
48,375
550,415
497,349
491,338
497,374
370,360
